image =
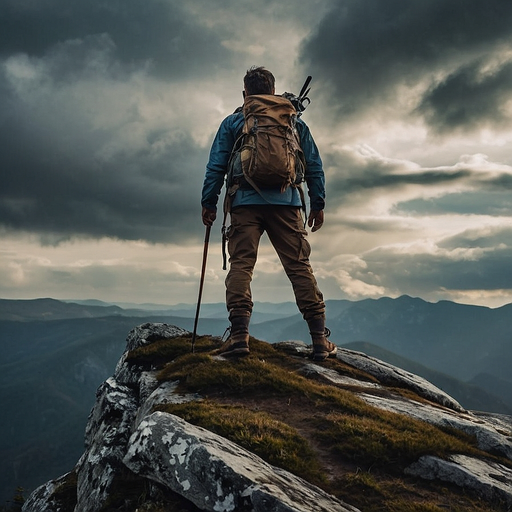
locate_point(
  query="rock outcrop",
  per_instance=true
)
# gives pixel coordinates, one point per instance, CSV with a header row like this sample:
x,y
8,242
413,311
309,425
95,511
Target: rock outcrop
x,y
214,473
150,456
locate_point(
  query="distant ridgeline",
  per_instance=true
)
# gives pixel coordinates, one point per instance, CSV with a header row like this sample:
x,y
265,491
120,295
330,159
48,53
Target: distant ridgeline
x,y
55,354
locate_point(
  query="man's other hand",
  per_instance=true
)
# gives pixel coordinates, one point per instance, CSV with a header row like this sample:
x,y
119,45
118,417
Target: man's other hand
x,y
209,216
316,219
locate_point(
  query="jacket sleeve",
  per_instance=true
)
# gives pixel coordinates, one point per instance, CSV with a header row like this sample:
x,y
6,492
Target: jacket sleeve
x,y
217,165
314,175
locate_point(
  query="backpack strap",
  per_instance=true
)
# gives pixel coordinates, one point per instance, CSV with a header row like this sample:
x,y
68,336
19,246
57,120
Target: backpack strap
x,y
303,201
228,201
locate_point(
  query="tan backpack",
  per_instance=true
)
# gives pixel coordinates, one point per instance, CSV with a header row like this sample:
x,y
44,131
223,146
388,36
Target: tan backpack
x,y
267,154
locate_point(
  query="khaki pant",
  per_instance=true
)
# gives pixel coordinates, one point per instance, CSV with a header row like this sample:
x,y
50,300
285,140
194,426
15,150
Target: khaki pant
x,y
284,227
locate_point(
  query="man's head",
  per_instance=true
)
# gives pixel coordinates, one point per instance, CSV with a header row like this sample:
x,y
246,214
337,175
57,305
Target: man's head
x,y
259,80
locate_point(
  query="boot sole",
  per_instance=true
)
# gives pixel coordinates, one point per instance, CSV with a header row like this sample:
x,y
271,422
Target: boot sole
x,y
236,352
322,356
237,349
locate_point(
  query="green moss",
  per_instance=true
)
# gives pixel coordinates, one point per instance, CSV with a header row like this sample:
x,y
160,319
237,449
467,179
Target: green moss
x,y
200,371
378,493
162,351
254,376
345,423
271,439
384,438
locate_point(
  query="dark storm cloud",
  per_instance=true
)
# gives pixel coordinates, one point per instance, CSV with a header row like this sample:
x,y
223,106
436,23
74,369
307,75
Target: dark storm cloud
x,y
372,180
61,192
353,176
486,267
150,31
66,68
482,202
363,49
468,97
62,176
490,196
480,237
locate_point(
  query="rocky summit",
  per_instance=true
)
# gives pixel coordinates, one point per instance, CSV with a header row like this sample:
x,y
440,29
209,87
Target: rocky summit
x,y
181,430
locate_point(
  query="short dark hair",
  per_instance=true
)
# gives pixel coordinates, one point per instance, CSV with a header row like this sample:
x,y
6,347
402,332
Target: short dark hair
x,y
259,80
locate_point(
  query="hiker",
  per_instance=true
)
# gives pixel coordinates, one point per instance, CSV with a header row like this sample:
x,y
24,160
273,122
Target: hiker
x,y
277,210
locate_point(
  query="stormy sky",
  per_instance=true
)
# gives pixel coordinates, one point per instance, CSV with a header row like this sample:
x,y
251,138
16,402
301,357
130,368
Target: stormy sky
x,y
108,109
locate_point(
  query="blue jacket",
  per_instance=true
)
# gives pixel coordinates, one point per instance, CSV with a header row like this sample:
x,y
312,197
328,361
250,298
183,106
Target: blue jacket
x,y
217,168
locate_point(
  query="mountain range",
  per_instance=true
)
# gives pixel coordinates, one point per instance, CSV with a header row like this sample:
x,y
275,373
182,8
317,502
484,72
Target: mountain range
x,y
55,354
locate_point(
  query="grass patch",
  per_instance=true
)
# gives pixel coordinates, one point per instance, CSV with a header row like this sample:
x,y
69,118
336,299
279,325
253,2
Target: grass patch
x,y
374,493
272,440
160,352
383,438
344,422
275,374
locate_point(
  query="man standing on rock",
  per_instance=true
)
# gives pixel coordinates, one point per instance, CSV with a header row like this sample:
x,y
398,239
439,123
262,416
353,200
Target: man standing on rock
x,y
274,209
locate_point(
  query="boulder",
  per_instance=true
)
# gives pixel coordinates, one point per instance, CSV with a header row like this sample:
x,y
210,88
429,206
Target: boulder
x,y
216,474
491,480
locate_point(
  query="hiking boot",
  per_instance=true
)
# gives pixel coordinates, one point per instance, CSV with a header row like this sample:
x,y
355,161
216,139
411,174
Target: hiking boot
x,y
237,345
322,347
322,352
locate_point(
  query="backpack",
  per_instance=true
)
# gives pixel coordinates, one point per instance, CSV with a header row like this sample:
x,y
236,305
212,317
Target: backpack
x,y
267,154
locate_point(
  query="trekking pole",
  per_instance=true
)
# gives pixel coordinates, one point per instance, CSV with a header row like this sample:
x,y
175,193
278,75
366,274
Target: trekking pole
x,y
201,283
